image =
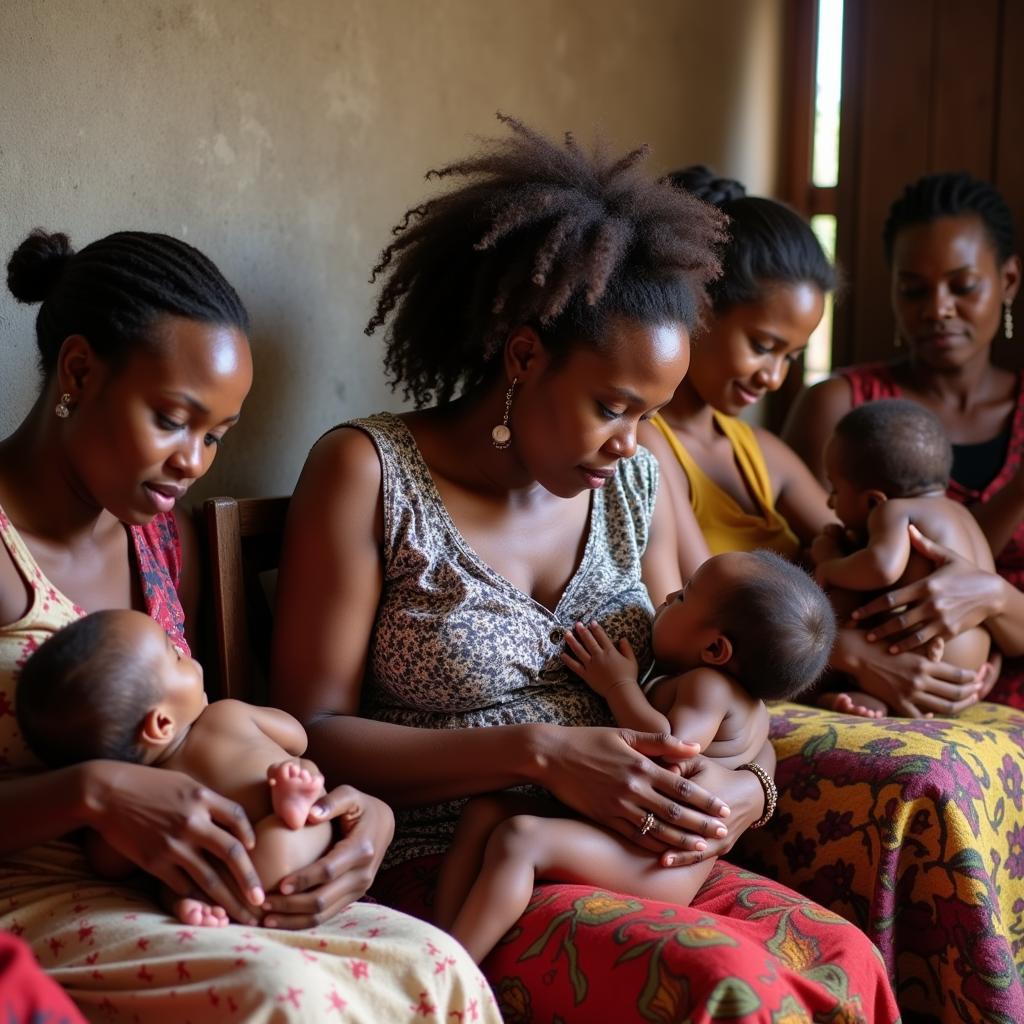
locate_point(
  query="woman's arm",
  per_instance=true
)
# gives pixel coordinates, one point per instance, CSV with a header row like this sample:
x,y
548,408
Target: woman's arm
x,y
956,597
798,496
329,586
812,419
1000,516
691,547
161,820
908,682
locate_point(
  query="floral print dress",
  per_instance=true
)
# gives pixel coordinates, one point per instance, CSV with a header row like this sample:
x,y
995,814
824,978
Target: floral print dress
x,y
456,645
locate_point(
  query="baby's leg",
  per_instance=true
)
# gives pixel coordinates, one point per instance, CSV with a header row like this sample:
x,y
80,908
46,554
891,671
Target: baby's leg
x,y
280,850
854,702
192,910
295,785
462,862
526,848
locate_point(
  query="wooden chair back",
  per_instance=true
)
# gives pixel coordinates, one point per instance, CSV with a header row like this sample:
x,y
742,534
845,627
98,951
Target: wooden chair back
x,y
243,538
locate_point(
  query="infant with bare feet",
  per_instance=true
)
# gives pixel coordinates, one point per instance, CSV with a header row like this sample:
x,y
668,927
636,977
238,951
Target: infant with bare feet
x,y
112,685
888,463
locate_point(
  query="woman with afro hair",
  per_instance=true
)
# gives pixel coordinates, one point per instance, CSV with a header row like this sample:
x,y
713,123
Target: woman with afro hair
x,y
536,312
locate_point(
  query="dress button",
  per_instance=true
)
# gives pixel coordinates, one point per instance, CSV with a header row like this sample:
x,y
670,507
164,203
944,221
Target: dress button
x,y
557,635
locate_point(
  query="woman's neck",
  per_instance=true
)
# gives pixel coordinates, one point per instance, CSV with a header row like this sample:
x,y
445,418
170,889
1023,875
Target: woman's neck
x,y
961,388
473,463
689,413
38,489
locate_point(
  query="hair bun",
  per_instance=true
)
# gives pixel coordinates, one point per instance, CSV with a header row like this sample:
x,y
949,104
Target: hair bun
x,y
36,264
702,182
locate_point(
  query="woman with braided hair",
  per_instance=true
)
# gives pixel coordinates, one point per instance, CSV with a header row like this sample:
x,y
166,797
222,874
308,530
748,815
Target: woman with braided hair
x,y
434,561
145,362
949,240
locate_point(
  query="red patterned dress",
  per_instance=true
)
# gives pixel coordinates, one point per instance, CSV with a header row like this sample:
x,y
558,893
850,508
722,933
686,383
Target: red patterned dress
x,y
873,381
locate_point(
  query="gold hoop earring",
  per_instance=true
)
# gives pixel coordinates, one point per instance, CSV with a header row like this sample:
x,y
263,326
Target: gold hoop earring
x,y
501,436
1008,320
62,409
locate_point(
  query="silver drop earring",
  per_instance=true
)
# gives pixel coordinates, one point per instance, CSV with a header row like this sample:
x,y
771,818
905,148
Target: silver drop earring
x,y
501,436
62,409
1008,320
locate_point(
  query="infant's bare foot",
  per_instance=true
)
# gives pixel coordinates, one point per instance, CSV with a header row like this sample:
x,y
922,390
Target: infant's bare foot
x,y
191,911
293,791
853,703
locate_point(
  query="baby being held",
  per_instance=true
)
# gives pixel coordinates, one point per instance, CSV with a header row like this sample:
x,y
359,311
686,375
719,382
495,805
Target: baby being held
x,y
747,627
112,685
888,463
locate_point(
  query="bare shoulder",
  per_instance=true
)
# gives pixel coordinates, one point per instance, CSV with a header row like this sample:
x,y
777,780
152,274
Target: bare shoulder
x,y
812,418
343,458
710,686
953,525
831,397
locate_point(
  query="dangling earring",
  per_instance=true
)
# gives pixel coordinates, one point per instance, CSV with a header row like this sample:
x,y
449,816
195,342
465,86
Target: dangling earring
x,y
501,436
897,339
63,410
1007,320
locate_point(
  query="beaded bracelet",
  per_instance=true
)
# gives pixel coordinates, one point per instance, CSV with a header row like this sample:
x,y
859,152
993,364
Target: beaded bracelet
x,y
771,793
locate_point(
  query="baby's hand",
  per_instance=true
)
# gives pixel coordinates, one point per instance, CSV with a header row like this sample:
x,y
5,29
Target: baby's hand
x,y
601,664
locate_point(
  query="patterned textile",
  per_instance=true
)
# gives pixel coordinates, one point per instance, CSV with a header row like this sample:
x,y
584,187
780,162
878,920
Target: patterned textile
x,y
121,959
27,995
914,830
874,381
447,616
456,645
745,951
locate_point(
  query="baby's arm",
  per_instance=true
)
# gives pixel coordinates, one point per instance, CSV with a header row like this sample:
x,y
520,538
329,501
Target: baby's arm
x,y
280,727
696,703
611,671
882,561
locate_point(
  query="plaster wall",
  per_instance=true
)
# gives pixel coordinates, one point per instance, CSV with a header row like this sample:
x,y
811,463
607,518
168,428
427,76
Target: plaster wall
x,y
285,137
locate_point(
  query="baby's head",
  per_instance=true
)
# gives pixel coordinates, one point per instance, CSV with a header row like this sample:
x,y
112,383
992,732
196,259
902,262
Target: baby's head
x,y
754,615
892,448
110,685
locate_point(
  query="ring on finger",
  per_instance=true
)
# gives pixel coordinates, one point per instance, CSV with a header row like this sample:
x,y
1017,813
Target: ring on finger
x,y
648,824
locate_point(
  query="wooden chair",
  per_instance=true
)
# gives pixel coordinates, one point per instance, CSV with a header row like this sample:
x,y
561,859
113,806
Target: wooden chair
x,y
243,540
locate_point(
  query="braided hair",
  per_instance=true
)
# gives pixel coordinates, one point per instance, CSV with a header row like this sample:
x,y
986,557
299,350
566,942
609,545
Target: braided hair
x,y
114,290
769,243
536,234
951,195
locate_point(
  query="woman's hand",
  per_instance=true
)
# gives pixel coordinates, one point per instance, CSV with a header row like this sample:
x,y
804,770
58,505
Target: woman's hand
x,y
343,874
745,798
176,829
910,684
956,597
609,776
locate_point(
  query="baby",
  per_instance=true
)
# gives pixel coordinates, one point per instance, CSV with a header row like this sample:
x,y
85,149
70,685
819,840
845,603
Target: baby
x,y
112,685
747,627
888,463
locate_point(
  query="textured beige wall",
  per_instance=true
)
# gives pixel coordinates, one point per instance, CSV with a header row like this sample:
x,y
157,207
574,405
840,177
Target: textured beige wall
x,y
284,137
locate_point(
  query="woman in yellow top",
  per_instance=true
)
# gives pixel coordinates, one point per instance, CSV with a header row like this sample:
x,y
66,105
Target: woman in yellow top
x,y
880,820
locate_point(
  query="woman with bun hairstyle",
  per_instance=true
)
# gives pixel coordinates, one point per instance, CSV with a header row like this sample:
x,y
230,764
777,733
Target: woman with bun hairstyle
x,y
145,363
537,311
879,821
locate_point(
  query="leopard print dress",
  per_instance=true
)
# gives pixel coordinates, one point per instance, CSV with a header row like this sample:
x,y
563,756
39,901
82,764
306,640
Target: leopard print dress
x,y
456,645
